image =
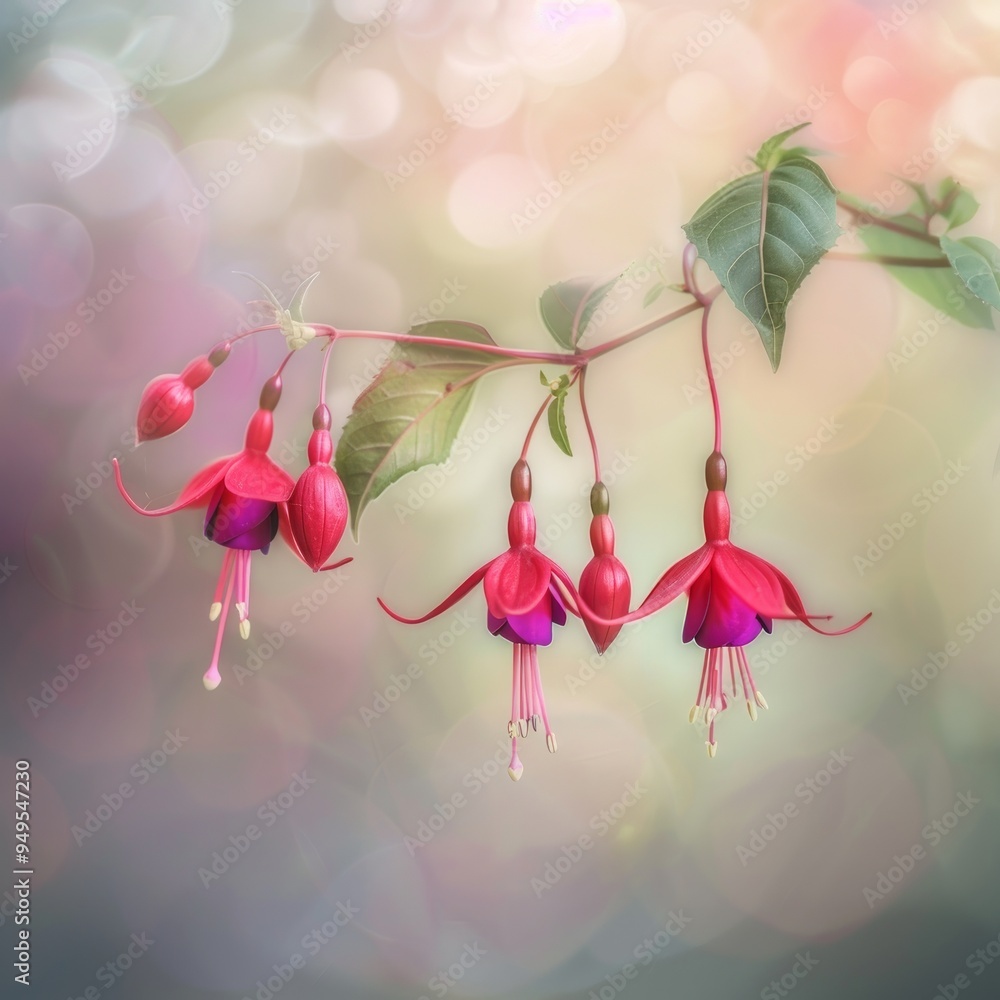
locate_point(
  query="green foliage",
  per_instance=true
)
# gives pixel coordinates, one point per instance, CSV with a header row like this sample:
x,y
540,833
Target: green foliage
x,y
411,413
762,234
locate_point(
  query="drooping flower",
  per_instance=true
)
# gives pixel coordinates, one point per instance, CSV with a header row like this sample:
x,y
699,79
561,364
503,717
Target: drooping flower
x,y
241,493
167,402
526,594
733,595
604,584
315,515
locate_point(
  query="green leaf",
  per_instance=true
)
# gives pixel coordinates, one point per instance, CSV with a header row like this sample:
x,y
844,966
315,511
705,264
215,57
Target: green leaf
x,y
957,204
411,413
653,294
924,202
762,234
770,151
940,286
977,262
299,297
557,423
560,304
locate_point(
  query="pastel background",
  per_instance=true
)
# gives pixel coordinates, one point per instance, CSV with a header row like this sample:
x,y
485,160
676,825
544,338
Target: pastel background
x,y
453,159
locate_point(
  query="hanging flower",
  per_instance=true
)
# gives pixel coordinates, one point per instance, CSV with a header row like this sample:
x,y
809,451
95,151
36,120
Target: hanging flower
x,y
168,400
526,594
315,515
242,493
733,595
604,584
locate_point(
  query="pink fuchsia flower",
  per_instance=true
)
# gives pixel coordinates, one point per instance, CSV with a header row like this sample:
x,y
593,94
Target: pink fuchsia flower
x,y
733,595
241,494
168,400
526,594
315,515
604,584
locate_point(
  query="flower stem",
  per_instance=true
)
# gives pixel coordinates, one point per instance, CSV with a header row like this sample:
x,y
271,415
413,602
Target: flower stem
x,y
322,377
894,227
627,338
590,429
525,357
890,260
716,411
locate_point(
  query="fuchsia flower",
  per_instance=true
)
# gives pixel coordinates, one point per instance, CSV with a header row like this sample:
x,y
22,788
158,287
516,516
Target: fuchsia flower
x,y
526,593
168,400
242,493
315,515
604,584
733,595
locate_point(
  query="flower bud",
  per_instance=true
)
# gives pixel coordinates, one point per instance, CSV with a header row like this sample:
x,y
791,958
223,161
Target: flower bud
x,y
317,509
604,584
168,401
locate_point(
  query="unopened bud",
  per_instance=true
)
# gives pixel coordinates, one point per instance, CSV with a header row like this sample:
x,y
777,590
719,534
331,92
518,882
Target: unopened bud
x,y
520,481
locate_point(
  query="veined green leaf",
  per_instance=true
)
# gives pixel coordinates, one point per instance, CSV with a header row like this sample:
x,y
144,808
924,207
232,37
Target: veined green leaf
x,y
557,423
411,413
763,233
977,262
940,286
561,303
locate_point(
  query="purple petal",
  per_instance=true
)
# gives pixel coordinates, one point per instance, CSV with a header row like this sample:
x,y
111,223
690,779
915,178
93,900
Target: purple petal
x,y
729,620
558,608
229,516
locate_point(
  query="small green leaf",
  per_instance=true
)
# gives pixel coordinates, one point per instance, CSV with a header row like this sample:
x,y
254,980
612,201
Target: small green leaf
x,y
977,262
653,294
299,296
923,202
411,413
957,205
763,233
561,303
940,286
557,423
770,147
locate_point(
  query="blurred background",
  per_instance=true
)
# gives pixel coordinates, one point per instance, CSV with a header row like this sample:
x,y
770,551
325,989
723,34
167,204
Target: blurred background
x,y
336,818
